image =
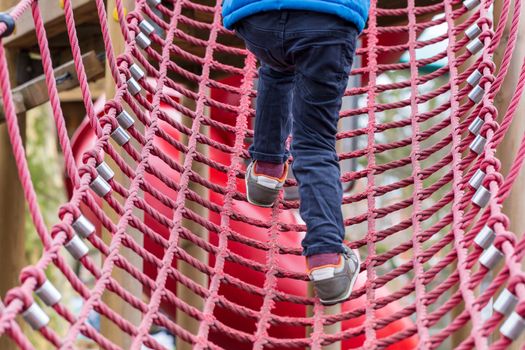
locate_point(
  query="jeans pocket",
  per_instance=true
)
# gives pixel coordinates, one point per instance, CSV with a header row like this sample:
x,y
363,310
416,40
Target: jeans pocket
x,y
255,43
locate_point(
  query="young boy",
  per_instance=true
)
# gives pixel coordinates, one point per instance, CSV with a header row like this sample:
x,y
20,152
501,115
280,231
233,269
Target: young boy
x,y
306,49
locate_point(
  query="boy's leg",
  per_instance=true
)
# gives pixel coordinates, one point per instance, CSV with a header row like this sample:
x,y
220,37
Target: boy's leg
x,y
266,175
273,115
322,67
322,76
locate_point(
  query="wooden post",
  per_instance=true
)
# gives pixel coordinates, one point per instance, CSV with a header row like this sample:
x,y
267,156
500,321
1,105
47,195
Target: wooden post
x,y
108,328
12,204
513,206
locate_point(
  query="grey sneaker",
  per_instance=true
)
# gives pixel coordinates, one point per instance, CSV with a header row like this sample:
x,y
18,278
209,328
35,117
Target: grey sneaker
x,y
334,284
263,190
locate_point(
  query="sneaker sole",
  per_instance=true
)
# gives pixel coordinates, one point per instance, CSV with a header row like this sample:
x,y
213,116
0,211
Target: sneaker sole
x,y
252,201
348,293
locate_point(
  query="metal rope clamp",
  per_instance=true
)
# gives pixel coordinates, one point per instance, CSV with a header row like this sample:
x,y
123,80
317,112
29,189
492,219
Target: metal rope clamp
x,y
513,326
491,257
125,120
478,144
48,293
476,94
76,247
35,316
136,71
83,227
470,4
481,197
475,127
154,3
146,27
100,186
477,179
506,302
120,136
474,78
473,31
474,46
105,171
143,41
485,237
133,86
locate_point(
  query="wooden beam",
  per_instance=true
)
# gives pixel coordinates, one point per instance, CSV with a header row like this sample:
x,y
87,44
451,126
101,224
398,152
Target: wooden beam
x,y
54,21
34,92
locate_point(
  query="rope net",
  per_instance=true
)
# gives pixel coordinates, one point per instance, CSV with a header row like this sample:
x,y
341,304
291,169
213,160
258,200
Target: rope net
x,y
158,222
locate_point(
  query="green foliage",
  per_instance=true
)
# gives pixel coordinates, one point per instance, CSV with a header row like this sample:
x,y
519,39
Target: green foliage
x,y
45,165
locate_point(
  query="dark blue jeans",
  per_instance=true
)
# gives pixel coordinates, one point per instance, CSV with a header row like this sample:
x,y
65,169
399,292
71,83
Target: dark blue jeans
x,y
305,62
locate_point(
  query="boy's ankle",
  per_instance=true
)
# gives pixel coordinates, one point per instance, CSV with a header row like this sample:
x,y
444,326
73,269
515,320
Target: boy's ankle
x,y
321,260
269,169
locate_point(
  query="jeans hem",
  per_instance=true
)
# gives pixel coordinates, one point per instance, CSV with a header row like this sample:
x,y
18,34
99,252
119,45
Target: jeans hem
x,y
323,249
264,157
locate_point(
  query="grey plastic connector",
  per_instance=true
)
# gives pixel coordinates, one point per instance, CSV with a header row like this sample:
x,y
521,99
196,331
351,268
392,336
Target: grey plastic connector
x,y
476,94
513,326
485,237
476,125
143,41
120,136
146,27
136,72
477,179
133,86
105,171
506,302
76,247
100,186
48,293
35,316
125,120
474,46
478,144
491,257
83,227
481,197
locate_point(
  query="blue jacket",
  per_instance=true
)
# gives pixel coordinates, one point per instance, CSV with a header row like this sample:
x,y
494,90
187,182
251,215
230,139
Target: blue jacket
x,y
355,11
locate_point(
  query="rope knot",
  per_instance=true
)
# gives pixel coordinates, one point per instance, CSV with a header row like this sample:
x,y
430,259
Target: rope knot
x,y
19,294
494,162
486,34
489,125
92,154
62,228
499,219
68,209
32,271
490,65
484,21
504,237
493,177
515,280
489,110
86,169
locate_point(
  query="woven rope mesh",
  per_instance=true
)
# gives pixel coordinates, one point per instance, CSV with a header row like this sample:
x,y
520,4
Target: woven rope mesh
x,y
166,239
